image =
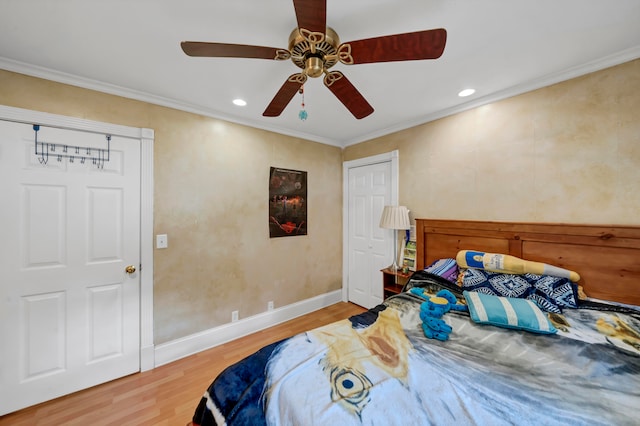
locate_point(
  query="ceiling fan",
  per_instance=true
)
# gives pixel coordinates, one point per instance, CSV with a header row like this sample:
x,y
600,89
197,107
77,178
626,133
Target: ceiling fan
x,y
315,48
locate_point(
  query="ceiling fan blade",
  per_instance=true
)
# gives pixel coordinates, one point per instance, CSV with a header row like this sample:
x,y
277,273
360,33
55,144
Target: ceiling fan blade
x,y
284,95
427,44
311,15
348,94
226,50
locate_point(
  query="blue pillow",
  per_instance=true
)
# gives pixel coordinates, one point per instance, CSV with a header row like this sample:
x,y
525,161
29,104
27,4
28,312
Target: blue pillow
x,y
508,312
551,294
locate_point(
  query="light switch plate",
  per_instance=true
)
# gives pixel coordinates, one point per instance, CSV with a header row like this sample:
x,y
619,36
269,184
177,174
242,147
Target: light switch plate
x,y
162,241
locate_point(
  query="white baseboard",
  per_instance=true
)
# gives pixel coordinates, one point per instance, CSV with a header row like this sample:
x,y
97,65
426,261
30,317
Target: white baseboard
x,y
189,345
147,361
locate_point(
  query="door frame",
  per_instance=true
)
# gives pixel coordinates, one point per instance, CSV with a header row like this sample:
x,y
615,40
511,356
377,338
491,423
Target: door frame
x,y
146,138
393,158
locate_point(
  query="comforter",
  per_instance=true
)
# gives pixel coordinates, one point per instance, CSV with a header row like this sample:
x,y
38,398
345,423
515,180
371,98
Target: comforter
x,y
379,368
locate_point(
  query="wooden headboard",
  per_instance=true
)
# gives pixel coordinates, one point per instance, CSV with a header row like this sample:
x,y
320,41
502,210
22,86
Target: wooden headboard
x,y
606,257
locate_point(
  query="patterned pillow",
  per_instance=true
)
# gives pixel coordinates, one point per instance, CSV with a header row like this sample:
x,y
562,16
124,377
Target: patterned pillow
x,y
508,312
551,294
446,268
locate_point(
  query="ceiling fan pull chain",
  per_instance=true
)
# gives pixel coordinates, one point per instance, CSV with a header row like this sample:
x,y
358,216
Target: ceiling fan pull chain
x,y
303,113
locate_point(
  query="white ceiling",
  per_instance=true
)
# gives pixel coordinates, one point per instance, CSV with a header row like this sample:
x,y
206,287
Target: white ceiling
x,y
132,48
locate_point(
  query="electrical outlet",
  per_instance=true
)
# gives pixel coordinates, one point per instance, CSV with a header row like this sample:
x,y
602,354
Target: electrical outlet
x,y
234,316
270,305
162,241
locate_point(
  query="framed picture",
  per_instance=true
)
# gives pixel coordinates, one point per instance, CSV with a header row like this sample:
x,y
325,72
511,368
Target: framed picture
x,y
287,202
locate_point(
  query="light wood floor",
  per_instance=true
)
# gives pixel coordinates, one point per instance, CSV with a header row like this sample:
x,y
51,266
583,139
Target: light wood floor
x,y
166,395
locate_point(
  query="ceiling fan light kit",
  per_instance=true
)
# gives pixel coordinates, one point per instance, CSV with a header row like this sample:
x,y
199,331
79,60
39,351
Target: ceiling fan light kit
x,y
315,48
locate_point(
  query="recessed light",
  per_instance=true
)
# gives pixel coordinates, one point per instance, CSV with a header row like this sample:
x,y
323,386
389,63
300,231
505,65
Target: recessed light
x,y
466,92
239,102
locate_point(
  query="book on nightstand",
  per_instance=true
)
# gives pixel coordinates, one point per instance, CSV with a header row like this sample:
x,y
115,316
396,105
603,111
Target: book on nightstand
x,y
409,261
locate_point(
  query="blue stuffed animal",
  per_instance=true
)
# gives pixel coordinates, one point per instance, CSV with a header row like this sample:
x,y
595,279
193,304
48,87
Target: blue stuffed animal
x,y
432,311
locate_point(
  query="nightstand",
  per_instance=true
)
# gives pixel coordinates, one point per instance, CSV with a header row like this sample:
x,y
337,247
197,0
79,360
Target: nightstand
x,y
392,282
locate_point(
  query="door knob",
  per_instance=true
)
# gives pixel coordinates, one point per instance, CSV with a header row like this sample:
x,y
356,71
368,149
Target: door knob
x,y
130,269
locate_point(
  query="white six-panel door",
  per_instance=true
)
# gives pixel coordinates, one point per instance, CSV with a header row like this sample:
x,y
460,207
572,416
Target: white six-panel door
x,y
69,310
369,190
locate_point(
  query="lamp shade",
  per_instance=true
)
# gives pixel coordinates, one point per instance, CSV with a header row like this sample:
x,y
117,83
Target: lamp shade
x,y
395,217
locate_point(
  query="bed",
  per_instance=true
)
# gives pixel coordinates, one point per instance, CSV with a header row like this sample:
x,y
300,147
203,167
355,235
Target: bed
x,y
580,366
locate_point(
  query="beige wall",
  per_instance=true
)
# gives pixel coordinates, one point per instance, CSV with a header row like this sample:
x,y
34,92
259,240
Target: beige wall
x,y
211,198
565,153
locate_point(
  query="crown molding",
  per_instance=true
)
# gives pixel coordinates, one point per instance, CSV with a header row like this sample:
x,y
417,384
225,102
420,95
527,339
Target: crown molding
x,y
543,81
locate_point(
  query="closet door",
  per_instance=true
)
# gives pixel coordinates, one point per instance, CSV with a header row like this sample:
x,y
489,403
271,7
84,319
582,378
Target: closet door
x,y
369,246
69,256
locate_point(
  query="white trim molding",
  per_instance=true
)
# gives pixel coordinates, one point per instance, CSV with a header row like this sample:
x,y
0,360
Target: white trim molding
x,y
189,345
147,361
611,60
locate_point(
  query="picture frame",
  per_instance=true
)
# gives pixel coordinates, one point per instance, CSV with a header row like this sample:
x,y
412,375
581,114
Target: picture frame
x,y
287,202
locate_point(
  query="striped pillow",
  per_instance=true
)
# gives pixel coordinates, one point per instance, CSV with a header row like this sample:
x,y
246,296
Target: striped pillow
x,y
509,312
446,268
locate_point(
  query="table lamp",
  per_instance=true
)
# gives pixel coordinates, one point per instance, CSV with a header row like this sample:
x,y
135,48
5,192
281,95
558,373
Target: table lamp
x,y
396,218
